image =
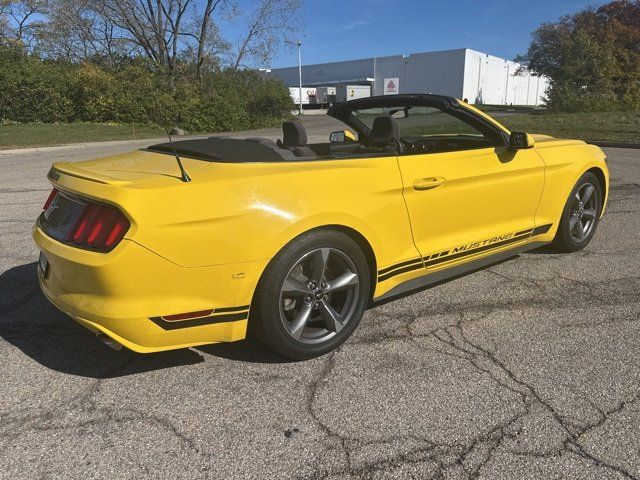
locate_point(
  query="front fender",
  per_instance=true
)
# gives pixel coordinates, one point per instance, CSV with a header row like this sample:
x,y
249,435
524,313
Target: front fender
x,y
564,165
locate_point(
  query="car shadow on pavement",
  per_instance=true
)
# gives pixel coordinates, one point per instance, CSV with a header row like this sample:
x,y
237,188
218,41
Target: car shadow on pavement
x,y
250,350
544,250
29,322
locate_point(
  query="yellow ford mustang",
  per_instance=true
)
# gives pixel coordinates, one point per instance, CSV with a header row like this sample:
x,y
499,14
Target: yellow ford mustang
x,y
192,242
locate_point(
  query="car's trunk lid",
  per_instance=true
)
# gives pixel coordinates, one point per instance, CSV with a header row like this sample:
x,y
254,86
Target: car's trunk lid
x,y
125,169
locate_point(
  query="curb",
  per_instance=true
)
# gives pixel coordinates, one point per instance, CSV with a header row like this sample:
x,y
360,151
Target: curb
x,y
110,143
616,144
145,141
313,138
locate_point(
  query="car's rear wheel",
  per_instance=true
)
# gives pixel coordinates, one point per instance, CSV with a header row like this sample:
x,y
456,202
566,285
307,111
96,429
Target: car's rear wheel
x,y
580,215
312,295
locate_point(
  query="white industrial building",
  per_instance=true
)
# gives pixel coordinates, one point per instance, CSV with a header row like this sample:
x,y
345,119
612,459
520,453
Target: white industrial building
x,y
461,73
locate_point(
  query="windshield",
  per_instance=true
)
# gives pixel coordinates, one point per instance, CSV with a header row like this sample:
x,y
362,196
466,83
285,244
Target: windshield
x,y
419,121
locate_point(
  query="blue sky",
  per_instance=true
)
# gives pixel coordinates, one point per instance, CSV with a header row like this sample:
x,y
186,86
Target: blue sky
x,y
349,29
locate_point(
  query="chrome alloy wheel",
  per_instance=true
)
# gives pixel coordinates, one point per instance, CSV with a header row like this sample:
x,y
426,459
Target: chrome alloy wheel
x,y
319,295
583,212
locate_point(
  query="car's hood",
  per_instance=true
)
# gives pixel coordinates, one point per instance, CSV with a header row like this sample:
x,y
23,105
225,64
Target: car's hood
x,y
543,141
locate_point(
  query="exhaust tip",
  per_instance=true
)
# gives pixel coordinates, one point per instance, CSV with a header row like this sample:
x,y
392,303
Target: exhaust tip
x,y
110,342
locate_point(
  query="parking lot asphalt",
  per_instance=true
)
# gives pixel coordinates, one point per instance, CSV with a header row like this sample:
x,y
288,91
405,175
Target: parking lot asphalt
x,y
527,369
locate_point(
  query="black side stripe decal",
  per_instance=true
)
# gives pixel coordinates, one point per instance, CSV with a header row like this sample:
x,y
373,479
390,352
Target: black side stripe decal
x,y
476,250
529,230
409,268
436,255
398,265
231,309
210,320
541,229
441,257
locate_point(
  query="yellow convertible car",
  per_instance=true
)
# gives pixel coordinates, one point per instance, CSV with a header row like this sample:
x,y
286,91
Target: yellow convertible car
x,y
192,242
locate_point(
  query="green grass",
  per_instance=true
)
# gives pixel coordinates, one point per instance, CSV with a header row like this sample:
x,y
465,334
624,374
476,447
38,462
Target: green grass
x,y
40,135
492,109
604,126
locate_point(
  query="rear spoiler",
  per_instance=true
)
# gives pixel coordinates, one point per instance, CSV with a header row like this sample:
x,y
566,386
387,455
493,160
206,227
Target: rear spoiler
x,y
66,168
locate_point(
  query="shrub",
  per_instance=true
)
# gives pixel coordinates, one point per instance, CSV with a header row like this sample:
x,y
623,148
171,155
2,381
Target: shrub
x,y
40,91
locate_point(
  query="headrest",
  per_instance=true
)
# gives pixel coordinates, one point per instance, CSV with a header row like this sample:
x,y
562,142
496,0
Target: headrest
x,y
293,134
384,130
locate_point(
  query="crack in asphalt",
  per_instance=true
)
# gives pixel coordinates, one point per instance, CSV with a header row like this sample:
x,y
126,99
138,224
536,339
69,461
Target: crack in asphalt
x,y
442,326
442,457
486,361
84,402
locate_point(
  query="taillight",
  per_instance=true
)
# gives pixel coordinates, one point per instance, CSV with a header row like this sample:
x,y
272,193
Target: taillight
x,y
99,227
52,195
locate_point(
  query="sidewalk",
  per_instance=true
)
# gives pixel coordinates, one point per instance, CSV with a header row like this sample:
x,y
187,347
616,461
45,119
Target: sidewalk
x,y
318,128
110,143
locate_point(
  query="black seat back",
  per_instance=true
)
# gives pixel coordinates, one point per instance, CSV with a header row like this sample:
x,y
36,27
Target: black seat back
x,y
294,138
385,131
384,137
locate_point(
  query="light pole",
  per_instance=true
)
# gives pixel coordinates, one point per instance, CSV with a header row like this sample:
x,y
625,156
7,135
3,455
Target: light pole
x,y
506,86
300,76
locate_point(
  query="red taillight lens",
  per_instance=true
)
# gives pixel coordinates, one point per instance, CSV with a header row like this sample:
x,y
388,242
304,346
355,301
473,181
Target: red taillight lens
x,y
100,227
52,195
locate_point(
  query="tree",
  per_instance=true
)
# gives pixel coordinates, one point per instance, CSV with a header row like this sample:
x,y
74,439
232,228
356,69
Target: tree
x,y
76,31
153,26
266,28
166,32
592,58
19,21
208,36
623,19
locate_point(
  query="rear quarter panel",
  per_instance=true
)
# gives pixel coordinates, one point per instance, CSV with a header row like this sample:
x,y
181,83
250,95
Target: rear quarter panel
x,y
234,213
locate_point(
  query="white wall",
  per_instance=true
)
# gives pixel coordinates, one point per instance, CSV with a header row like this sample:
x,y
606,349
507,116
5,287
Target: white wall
x,y
327,73
434,72
461,73
387,67
493,81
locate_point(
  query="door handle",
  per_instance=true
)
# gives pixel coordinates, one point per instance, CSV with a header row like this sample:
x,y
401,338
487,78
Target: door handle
x,y
428,183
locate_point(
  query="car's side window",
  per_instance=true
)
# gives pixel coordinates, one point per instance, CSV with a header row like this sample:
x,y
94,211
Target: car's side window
x,y
428,121
430,130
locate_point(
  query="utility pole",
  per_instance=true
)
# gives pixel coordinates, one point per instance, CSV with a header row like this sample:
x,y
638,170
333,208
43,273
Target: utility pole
x,y
506,86
300,76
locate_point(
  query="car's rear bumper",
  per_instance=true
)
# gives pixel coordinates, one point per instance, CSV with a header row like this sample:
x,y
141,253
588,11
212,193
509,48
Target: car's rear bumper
x,y
125,293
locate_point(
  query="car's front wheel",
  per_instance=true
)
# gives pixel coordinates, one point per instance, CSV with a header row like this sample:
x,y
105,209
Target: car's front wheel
x,y
312,295
580,215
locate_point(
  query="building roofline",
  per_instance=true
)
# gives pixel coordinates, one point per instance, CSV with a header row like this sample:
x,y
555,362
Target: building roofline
x,y
374,58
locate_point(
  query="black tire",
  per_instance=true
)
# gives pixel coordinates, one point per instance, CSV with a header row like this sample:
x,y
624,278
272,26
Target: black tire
x,y
275,311
575,213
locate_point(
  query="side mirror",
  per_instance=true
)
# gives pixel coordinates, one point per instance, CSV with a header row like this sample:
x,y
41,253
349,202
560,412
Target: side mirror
x,y
342,136
520,140
400,113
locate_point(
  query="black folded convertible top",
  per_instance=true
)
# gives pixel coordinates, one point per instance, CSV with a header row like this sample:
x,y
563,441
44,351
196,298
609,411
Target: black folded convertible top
x,y
220,149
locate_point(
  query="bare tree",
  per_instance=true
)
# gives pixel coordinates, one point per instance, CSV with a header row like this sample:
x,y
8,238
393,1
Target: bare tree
x,y
5,28
19,20
75,30
164,31
152,25
267,26
207,32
